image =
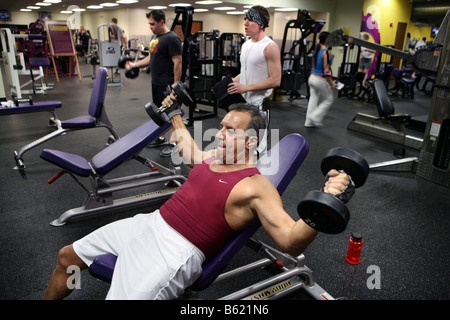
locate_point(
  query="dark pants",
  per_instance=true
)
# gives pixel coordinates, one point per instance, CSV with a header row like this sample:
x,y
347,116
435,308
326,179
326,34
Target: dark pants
x,y
158,94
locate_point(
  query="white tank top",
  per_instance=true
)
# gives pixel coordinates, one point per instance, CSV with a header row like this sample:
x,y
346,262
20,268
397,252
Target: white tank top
x,y
254,69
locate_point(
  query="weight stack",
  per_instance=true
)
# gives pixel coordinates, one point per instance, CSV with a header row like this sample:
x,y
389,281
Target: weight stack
x,y
291,80
434,158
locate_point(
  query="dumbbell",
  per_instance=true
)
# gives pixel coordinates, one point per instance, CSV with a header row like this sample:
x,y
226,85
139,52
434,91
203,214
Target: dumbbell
x,y
323,211
18,101
157,114
129,73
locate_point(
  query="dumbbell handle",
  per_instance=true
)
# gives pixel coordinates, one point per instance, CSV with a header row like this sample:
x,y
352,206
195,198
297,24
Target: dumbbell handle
x,y
346,194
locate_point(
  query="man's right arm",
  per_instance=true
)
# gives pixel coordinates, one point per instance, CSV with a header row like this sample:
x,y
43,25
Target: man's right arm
x,y
140,63
189,150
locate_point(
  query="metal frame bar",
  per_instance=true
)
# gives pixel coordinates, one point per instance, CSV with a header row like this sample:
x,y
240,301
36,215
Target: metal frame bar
x,y
294,276
100,198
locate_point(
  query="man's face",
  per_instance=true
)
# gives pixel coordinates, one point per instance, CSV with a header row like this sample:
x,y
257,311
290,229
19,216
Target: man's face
x,y
232,144
251,27
156,27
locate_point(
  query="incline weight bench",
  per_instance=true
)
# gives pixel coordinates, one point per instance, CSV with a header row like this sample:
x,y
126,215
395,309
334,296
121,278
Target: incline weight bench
x,y
388,125
100,198
97,118
279,165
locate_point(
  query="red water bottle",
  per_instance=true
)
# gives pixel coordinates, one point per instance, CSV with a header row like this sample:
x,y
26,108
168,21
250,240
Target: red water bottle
x,y
354,248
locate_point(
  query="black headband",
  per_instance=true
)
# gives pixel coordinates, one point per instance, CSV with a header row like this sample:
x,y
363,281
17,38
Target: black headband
x,y
255,16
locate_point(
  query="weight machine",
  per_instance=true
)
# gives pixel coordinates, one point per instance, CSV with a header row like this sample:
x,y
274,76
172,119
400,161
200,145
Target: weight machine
x,y
296,64
230,45
199,52
15,65
110,53
348,69
352,79
92,57
203,70
432,59
186,14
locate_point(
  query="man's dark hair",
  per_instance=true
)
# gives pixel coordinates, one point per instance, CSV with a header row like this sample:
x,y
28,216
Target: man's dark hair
x,y
257,121
156,15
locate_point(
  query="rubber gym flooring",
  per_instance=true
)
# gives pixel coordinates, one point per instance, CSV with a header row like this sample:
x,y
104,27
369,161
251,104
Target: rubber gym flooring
x,y
403,218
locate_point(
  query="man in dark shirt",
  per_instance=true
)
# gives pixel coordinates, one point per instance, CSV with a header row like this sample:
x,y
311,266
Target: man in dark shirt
x,y
165,61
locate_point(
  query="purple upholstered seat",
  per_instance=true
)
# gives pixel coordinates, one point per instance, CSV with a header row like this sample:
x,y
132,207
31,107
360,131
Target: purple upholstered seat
x,y
72,162
110,157
127,146
39,62
279,165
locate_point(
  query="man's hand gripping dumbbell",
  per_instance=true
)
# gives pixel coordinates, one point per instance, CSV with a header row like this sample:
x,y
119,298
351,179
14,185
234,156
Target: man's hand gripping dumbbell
x,y
176,95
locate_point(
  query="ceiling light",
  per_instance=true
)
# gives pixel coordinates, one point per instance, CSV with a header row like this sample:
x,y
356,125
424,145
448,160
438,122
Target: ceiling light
x,y
224,8
235,12
52,1
78,9
208,2
157,7
66,12
286,9
180,5
249,6
33,7
43,4
94,7
26,10
126,1
201,10
109,4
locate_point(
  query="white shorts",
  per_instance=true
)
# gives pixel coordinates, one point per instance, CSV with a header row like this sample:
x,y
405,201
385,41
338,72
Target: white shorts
x,y
154,261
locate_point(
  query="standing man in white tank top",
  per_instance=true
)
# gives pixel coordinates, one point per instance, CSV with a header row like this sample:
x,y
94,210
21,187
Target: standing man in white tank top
x,y
260,66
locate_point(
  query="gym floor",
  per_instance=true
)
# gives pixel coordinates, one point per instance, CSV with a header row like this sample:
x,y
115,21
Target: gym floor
x,y
403,218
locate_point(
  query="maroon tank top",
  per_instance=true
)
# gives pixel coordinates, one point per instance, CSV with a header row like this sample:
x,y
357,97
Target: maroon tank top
x,y
197,209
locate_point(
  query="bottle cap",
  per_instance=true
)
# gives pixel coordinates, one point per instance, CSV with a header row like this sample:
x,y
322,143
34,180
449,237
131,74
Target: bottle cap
x,y
356,236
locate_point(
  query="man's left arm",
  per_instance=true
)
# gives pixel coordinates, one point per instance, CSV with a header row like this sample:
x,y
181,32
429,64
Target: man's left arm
x,y
291,236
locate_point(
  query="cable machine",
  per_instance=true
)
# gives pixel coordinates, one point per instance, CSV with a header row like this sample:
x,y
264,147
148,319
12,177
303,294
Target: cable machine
x,y
110,53
296,63
230,45
186,14
204,64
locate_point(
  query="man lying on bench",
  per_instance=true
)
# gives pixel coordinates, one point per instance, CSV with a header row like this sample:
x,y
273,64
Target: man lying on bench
x,y
160,254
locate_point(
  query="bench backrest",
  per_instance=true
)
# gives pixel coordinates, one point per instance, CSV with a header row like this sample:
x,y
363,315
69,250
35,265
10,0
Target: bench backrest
x,y
98,93
382,100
